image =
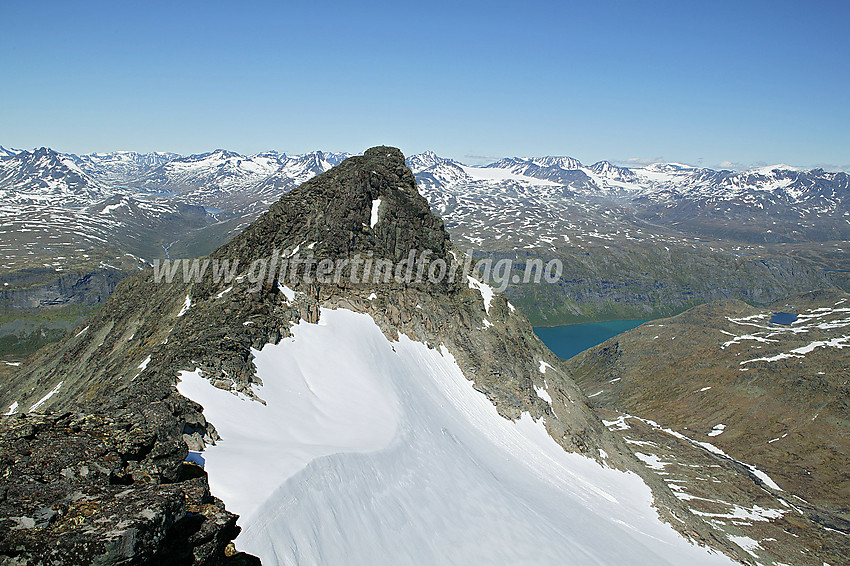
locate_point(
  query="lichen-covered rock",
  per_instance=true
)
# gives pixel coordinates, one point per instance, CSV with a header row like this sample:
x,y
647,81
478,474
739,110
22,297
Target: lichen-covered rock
x,y
94,489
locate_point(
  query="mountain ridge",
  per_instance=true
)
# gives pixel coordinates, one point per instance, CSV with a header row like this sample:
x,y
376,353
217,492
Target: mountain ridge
x,y
120,370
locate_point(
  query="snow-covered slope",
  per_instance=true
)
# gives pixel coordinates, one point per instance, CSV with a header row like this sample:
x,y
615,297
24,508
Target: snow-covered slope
x,y
383,453
426,160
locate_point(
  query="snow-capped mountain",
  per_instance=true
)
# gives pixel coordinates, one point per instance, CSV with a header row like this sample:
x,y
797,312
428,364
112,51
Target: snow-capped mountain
x,y
422,161
212,171
610,172
770,203
45,176
8,151
121,167
221,179
434,171
295,169
684,181
140,203
789,184
537,167
226,180
514,205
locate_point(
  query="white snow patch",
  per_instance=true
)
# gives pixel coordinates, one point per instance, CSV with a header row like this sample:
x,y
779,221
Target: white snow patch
x,y
757,513
651,460
44,399
543,394
495,175
371,297
187,304
144,363
738,339
485,290
840,343
223,293
618,424
287,292
717,430
713,449
746,543
543,366
385,453
376,206
81,332
13,364
13,408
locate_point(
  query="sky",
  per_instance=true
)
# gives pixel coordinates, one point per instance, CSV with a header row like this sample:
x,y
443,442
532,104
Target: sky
x,y
731,84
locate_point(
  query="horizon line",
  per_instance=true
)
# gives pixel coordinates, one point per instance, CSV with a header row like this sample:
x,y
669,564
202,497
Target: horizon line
x,y
629,163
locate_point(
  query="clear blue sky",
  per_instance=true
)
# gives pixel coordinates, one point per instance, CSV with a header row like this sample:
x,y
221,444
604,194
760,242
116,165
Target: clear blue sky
x,y
698,82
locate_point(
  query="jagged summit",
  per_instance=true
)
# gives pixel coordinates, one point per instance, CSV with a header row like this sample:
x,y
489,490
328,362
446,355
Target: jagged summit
x,y
368,203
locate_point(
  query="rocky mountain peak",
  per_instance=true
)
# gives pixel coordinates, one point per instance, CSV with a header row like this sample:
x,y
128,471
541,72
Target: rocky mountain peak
x,y
368,203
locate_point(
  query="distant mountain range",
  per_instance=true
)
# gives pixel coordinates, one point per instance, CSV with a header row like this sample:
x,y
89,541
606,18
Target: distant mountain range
x,y
26,172
757,235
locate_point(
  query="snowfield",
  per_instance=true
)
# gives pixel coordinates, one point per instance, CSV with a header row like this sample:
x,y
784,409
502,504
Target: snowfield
x,y
376,452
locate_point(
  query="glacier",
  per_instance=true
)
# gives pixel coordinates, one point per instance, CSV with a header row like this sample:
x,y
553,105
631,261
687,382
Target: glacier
x,y
372,451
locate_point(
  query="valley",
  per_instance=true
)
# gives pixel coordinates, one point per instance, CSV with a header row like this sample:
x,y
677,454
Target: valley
x,y
746,418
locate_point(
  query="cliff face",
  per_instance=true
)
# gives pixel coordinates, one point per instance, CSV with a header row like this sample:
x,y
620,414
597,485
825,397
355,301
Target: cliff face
x,y
34,288
625,280
39,304
99,459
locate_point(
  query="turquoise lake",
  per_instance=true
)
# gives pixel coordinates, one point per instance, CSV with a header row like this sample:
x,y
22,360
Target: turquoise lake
x,y
567,341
